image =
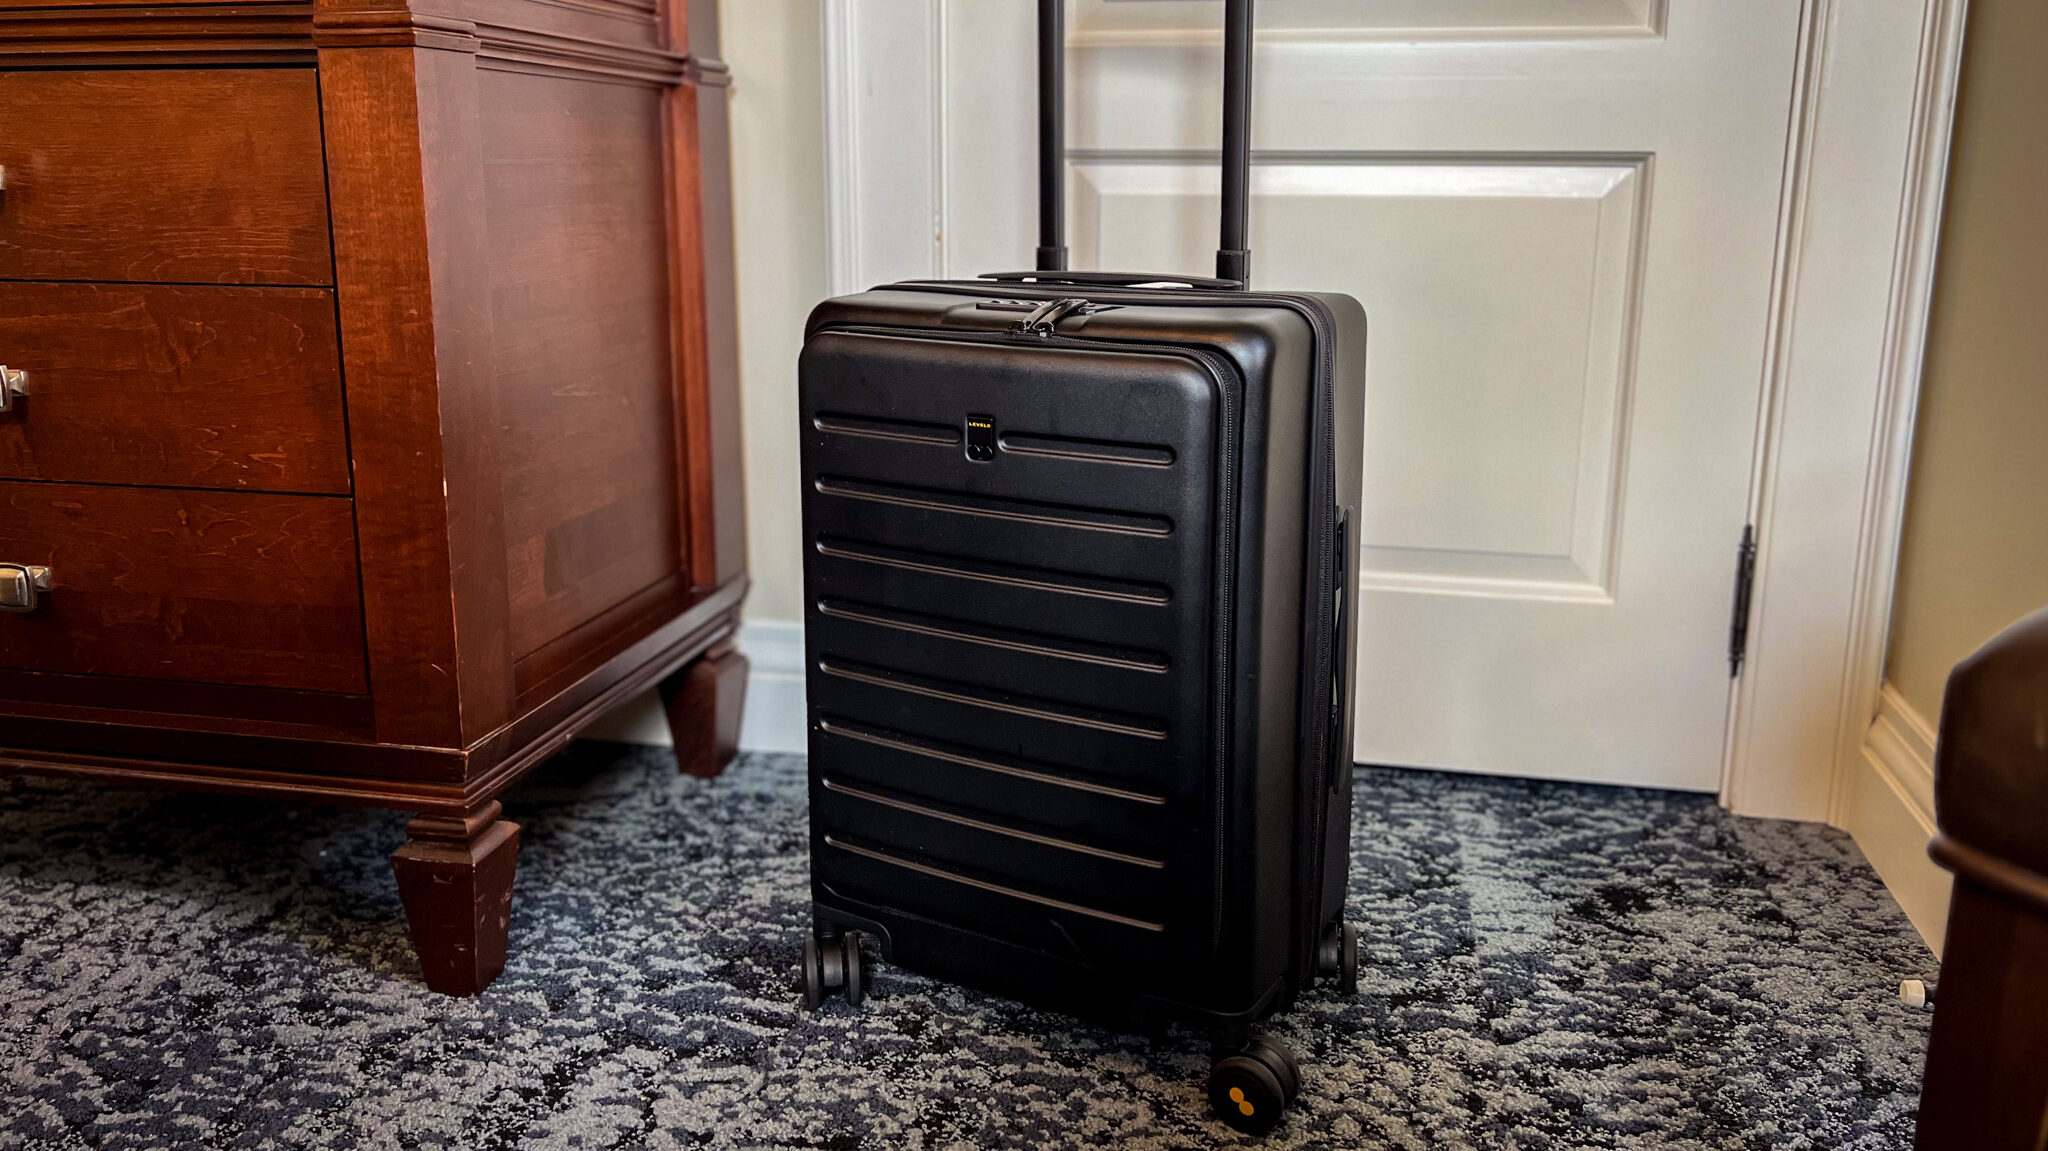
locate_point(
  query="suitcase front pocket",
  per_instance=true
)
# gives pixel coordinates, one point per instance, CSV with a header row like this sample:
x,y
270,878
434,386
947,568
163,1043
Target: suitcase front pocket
x,y
1014,663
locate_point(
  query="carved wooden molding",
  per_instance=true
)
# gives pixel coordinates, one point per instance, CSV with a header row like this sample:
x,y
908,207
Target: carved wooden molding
x,y
392,28
707,73
514,47
254,33
543,49
280,33
629,11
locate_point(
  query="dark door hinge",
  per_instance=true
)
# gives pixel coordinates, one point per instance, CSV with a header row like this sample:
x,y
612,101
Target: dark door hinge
x,y
1745,582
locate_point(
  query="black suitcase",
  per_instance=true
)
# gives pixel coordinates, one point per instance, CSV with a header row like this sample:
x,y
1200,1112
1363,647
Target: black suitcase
x,y
1078,652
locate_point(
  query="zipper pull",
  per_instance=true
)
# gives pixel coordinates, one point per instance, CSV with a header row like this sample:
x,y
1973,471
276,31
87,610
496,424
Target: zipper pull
x,y
1043,319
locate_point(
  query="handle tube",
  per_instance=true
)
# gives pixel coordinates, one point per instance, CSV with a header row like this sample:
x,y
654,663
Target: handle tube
x,y
1233,255
1233,252
1052,135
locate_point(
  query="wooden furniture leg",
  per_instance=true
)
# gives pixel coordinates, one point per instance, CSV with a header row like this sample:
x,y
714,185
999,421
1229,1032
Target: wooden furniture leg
x,y
455,876
1986,1086
703,702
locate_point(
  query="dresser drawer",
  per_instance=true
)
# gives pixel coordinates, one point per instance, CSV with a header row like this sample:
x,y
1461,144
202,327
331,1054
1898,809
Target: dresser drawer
x,y
167,175
175,387
211,587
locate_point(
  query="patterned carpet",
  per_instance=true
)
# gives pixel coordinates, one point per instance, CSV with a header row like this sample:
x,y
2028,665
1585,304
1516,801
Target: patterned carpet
x,y
1547,966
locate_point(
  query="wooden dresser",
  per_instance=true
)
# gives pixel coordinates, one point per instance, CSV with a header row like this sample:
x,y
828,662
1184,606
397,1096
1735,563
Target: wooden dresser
x,y
370,420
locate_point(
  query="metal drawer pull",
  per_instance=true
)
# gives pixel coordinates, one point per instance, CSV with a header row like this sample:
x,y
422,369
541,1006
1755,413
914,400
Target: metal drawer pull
x,y
13,386
19,584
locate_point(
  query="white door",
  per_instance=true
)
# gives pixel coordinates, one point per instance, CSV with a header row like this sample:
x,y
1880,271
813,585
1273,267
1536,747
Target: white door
x,y
1561,217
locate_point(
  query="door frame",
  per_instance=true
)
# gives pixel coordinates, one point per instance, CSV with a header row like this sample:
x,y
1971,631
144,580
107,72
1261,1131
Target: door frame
x,y
1873,101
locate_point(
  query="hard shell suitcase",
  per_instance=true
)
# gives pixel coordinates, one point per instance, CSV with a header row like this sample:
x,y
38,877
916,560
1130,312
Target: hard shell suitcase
x,y
1077,640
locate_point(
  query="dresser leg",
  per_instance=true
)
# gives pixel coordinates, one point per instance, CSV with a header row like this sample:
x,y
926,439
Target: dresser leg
x,y
704,702
455,876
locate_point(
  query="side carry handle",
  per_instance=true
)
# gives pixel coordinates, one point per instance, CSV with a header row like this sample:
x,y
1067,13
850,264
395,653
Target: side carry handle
x,y
1233,252
1340,626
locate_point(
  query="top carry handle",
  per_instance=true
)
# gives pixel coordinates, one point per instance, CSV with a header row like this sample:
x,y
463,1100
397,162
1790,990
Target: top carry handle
x,y
1233,252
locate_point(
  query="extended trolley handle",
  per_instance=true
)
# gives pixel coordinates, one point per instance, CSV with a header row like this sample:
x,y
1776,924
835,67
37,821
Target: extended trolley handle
x,y
1233,252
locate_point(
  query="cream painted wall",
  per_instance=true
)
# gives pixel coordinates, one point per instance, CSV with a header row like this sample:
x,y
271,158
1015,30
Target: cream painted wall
x,y
1975,554
775,49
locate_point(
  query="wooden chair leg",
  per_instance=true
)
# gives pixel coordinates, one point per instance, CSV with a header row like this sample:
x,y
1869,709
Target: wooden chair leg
x,y
1986,1086
455,876
704,701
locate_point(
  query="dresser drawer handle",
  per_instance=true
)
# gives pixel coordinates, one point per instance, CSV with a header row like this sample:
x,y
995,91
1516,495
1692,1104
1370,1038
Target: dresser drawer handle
x,y
13,386
19,584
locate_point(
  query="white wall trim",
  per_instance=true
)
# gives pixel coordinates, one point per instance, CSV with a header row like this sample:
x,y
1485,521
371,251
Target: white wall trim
x,y
884,141
1873,107
774,718
1887,804
1904,741
842,144
1884,511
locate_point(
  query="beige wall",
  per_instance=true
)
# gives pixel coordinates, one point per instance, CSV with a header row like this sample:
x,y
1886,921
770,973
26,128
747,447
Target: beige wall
x,y
1975,555
776,52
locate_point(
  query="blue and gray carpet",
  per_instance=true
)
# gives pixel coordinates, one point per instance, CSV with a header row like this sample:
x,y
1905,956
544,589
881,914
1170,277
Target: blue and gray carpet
x,y
1546,966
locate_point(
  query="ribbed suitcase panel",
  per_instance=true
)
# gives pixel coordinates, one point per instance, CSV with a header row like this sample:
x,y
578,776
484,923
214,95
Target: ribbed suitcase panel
x,y
1111,612
931,526
1096,935
1105,809
1042,484
1011,680
1136,677
1119,745
1049,859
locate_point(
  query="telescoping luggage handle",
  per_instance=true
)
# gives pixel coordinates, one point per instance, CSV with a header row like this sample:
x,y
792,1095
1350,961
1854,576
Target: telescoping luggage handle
x,y
1233,253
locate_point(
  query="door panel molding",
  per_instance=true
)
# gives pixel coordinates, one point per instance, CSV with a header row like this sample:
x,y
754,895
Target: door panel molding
x,y
1543,406
1866,159
1099,22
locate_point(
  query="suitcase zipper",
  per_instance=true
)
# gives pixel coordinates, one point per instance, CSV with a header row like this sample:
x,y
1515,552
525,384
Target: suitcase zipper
x,y
1328,730
1045,318
1224,370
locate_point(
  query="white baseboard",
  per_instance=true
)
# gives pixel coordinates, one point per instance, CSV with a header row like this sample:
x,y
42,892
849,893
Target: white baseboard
x,y
774,719
1890,812
774,715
